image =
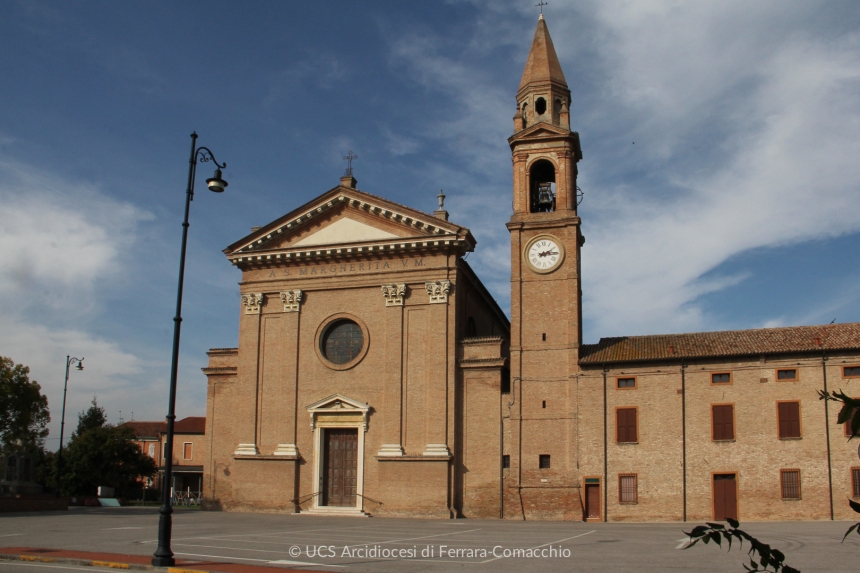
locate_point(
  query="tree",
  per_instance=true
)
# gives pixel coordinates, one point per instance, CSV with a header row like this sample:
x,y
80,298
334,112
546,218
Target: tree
x,y
93,417
23,408
101,454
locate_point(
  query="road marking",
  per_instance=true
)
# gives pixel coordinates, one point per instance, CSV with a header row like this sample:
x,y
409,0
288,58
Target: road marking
x,y
64,567
11,534
545,544
113,528
285,562
684,543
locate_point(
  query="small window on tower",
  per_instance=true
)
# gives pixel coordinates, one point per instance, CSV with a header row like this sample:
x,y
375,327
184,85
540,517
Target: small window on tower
x,y
540,106
506,462
543,461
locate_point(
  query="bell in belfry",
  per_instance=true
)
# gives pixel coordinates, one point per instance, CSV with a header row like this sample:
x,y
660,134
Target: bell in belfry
x,y
545,198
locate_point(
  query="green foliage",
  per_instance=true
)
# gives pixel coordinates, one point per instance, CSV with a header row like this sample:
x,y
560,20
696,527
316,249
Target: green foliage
x,y
100,454
93,418
769,559
850,410
23,408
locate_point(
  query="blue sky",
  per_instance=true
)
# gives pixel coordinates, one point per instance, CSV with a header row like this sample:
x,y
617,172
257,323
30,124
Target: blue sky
x,y
720,161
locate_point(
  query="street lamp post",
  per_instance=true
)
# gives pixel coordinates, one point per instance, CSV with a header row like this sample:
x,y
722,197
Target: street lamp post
x,y
163,556
80,366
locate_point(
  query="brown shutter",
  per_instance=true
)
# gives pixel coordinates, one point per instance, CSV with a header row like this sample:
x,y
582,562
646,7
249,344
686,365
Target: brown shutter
x,y
625,423
723,422
789,419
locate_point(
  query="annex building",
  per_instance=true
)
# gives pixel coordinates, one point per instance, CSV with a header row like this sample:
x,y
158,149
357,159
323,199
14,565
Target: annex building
x,y
375,374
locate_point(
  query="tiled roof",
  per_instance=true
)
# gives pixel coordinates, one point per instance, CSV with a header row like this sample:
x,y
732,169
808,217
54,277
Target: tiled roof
x,y
147,429
190,425
828,337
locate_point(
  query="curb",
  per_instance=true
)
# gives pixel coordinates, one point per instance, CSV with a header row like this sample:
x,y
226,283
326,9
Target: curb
x,y
96,563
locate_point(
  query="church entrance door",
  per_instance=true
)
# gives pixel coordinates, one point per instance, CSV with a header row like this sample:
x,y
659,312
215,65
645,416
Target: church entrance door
x,y
340,467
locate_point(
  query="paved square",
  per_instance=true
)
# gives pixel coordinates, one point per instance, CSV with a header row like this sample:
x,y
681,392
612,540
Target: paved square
x,y
405,545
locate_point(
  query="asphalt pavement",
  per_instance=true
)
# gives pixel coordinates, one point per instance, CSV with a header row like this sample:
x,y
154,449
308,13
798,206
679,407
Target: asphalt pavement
x,y
365,545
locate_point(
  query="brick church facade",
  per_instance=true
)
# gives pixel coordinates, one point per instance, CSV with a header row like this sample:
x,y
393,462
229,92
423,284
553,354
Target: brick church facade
x,y
375,374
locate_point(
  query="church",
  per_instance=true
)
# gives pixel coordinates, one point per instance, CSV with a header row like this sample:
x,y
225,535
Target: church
x,y
376,375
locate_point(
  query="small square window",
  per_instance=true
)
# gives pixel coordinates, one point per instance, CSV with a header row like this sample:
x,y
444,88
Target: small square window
x,y
543,461
506,462
851,371
790,482
786,374
721,378
627,382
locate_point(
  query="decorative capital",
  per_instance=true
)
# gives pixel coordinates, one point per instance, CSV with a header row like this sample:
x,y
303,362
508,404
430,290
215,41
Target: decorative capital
x,y
292,300
438,291
253,302
394,294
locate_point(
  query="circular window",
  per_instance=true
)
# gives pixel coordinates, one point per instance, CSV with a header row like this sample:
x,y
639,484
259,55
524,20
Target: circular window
x,y
342,341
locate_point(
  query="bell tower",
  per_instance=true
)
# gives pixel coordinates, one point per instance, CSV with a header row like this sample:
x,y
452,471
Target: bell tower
x,y
546,318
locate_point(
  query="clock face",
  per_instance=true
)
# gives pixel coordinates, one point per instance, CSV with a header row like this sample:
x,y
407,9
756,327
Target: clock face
x,y
544,254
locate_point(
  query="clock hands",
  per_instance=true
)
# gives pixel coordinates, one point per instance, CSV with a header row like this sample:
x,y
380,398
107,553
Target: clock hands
x,y
547,253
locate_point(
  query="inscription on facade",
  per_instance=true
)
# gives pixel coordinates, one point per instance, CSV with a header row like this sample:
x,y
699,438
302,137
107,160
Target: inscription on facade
x,y
347,268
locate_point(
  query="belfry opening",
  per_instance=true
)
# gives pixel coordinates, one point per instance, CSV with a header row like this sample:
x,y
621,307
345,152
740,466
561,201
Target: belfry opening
x,y
542,187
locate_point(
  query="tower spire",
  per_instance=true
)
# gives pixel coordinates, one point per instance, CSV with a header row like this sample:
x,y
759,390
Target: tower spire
x,y
542,66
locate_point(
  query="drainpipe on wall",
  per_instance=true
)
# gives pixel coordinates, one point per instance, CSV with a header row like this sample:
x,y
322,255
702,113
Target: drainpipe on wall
x,y
605,451
827,433
684,431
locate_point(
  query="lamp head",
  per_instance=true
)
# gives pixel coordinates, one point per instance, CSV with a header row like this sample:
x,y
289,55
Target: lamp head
x,y
80,366
216,184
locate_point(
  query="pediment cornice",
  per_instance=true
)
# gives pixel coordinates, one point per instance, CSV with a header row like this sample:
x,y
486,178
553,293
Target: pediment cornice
x,y
345,199
267,246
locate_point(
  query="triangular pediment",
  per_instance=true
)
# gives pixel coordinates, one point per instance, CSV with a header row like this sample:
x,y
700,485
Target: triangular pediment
x,y
344,230
539,130
338,402
343,217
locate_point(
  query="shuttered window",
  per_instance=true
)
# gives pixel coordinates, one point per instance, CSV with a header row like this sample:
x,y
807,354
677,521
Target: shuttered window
x,y
625,426
790,482
847,425
855,481
628,488
789,419
724,423
186,451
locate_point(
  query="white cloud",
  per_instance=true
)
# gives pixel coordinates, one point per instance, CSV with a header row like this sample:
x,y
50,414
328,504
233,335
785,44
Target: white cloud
x,y
62,248
744,116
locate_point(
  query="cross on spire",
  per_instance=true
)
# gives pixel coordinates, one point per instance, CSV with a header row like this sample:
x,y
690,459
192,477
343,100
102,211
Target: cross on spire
x,y
541,4
348,158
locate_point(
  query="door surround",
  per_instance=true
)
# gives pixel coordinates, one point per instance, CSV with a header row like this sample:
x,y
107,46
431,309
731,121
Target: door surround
x,y
337,412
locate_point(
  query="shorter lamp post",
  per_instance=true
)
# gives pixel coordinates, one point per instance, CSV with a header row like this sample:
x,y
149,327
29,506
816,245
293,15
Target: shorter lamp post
x,y
80,366
163,556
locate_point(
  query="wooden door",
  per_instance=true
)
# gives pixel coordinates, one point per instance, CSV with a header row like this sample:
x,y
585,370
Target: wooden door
x,y
725,497
340,467
592,501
